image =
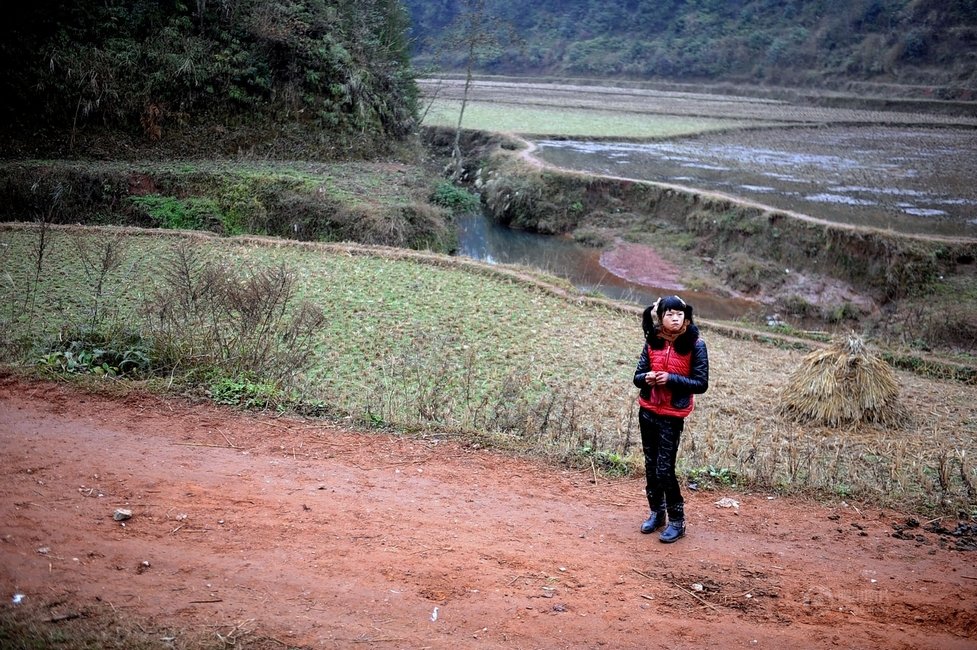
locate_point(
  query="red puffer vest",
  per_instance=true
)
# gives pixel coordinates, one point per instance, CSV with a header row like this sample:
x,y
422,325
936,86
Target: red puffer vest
x,y
660,398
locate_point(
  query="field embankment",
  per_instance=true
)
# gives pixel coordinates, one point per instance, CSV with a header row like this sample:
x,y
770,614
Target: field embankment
x,y
387,203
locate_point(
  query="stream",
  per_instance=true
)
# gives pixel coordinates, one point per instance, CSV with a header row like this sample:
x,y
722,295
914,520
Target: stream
x,y
482,239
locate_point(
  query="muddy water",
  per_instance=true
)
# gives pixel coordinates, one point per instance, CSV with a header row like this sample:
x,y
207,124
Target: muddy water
x,y
482,239
914,180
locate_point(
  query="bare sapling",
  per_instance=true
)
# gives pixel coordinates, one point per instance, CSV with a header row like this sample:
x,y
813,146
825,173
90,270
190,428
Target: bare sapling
x,y
44,217
98,263
474,33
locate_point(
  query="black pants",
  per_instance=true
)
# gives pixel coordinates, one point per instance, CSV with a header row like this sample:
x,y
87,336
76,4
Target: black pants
x,y
660,437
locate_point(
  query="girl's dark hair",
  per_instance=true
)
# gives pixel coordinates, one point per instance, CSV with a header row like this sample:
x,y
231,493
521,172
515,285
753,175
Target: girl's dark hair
x,y
648,323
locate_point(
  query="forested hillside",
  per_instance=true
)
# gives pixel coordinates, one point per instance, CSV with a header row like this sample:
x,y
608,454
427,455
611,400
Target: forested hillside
x,y
330,75
784,42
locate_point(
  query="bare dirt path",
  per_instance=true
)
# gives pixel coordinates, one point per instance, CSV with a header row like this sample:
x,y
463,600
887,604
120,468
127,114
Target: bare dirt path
x,y
302,534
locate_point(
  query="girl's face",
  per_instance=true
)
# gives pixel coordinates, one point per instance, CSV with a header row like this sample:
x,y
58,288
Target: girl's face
x,y
673,320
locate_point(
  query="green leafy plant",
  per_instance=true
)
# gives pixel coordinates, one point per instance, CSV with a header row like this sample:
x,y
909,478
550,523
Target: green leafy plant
x,y
457,199
711,477
107,355
194,213
245,391
608,462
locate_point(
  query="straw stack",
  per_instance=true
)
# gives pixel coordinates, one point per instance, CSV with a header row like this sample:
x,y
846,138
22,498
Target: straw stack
x,y
843,384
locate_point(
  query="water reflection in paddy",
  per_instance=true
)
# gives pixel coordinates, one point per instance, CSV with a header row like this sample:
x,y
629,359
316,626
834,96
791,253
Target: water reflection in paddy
x,y
904,179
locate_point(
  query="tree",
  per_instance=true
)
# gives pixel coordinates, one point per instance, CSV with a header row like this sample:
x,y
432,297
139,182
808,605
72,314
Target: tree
x,y
340,66
474,33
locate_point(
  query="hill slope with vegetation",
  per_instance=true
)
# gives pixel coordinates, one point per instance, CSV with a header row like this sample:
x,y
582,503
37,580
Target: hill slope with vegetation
x,y
874,43
277,78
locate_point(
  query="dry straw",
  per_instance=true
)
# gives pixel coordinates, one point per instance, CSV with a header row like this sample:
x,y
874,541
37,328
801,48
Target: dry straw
x,y
843,384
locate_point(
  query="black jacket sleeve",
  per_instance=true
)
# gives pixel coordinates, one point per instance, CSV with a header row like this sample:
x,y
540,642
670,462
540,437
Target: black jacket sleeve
x,y
644,365
698,380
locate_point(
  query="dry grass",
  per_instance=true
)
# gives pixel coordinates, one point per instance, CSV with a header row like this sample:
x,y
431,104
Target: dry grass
x,y
31,626
842,385
737,425
39,624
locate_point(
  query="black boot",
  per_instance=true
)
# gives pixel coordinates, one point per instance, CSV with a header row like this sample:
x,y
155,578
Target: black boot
x,y
655,521
675,530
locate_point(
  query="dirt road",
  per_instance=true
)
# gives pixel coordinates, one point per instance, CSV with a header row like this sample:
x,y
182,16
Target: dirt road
x,y
297,533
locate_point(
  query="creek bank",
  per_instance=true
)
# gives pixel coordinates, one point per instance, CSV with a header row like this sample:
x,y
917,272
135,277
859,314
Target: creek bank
x,y
798,264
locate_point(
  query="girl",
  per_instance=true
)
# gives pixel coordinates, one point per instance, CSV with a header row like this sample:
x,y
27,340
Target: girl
x,y
673,366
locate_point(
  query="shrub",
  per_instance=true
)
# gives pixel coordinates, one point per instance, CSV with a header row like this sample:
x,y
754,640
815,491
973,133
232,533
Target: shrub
x,y
750,273
590,236
457,199
516,200
204,315
194,213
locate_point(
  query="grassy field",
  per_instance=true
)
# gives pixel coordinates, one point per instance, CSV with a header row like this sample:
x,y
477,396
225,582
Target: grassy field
x,y
578,122
632,113
443,346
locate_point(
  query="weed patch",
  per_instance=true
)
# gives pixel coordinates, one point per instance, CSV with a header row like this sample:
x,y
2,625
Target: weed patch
x,y
244,392
711,477
111,355
179,214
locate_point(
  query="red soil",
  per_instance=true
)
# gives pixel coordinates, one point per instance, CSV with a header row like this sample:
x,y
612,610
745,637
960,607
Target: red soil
x,y
301,533
641,265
